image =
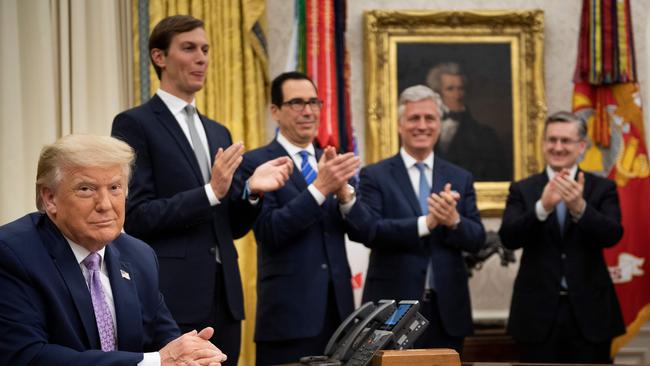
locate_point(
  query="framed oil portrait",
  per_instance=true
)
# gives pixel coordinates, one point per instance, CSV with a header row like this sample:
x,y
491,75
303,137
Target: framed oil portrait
x,y
488,68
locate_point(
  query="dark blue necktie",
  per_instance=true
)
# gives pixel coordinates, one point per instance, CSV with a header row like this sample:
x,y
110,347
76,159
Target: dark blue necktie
x,y
560,212
307,170
424,189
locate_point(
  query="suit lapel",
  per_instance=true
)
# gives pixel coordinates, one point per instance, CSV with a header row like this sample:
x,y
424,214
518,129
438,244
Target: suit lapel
x,y
214,140
125,298
70,271
170,124
401,177
440,177
276,150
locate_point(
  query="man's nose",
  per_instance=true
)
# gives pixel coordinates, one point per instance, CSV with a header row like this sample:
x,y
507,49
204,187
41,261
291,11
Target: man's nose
x,y
103,201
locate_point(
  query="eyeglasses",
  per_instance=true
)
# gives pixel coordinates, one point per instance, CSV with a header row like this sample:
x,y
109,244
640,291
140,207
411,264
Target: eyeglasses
x,y
563,141
298,104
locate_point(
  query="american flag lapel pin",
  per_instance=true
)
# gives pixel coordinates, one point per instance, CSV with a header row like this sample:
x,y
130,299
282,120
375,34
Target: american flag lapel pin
x,y
125,274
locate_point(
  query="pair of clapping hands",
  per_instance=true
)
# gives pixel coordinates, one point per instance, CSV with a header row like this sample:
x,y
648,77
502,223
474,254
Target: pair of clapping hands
x,y
267,177
192,349
442,208
563,188
334,171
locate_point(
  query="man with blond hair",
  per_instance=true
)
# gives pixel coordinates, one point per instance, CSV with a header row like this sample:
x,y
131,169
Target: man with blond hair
x,y
75,289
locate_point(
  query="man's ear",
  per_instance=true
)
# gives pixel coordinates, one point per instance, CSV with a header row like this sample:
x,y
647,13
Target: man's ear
x,y
47,196
275,111
158,57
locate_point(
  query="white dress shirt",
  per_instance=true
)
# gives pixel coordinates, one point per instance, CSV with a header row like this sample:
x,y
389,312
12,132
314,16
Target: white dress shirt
x,y
80,253
176,106
414,176
541,213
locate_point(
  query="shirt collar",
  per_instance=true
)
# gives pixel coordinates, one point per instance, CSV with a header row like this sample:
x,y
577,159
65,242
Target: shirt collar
x,y
174,103
550,173
292,149
80,253
410,161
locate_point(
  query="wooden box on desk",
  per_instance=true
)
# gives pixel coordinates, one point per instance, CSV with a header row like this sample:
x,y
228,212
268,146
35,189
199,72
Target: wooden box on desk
x,y
417,357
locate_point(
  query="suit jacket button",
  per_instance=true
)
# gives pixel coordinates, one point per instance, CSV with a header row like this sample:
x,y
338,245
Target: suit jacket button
x,y
323,266
563,255
213,250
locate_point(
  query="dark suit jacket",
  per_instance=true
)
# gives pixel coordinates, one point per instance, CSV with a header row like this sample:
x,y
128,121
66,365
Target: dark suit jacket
x,y
301,249
577,254
167,207
399,258
46,312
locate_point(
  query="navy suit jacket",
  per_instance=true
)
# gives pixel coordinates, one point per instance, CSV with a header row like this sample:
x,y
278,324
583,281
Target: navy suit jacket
x,y
576,254
46,314
301,249
399,257
168,208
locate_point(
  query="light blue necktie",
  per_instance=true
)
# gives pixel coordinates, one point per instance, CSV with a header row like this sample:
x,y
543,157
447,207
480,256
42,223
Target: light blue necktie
x,y
424,190
423,196
560,211
307,170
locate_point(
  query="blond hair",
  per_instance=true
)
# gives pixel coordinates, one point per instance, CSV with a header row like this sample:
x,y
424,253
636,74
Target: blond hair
x,y
74,151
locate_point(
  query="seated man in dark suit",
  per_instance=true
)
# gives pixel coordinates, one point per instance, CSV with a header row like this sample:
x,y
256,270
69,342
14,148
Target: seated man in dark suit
x,y
74,289
564,308
424,216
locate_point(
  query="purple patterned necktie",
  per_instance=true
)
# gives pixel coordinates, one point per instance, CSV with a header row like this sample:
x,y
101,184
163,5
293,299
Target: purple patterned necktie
x,y
103,315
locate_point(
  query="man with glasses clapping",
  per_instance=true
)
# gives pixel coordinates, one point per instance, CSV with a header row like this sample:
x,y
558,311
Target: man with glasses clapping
x,y
304,286
564,308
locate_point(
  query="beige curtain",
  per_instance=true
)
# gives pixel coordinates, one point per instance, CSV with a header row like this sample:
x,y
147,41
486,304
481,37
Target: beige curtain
x,y
63,69
235,94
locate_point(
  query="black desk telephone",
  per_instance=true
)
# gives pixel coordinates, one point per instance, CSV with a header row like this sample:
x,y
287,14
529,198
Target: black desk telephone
x,y
370,328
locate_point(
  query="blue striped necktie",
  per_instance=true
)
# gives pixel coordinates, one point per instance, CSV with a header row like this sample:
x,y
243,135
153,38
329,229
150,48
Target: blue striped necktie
x,y
307,170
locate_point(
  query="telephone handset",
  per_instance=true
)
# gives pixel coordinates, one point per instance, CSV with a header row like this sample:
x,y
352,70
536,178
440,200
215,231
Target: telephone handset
x,y
399,331
351,341
371,328
344,329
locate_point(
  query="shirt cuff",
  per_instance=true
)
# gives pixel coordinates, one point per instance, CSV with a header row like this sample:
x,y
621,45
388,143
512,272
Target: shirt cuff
x,y
211,196
320,199
252,199
150,359
346,207
423,229
540,212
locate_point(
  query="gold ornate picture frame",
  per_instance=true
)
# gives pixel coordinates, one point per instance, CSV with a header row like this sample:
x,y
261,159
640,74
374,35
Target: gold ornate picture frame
x,y
501,50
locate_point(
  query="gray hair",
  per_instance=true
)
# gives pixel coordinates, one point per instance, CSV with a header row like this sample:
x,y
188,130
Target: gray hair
x,y
417,93
434,77
568,117
80,151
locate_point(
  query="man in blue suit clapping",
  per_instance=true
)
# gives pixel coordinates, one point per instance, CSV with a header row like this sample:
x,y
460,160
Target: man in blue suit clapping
x,y
304,286
424,215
